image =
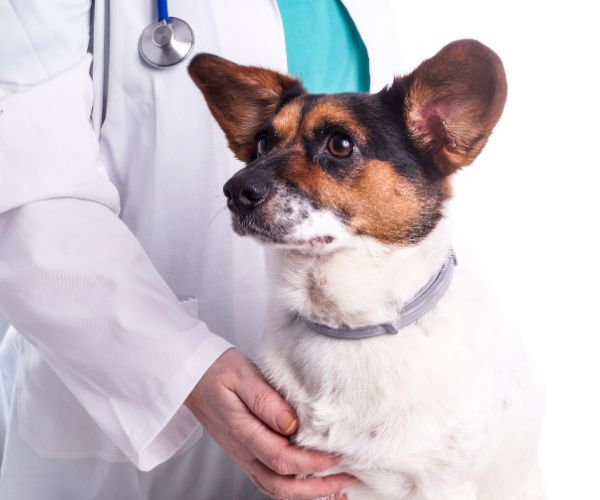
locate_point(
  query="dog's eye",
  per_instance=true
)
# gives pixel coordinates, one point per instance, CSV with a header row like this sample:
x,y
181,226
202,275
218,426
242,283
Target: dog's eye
x,y
340,145
261,145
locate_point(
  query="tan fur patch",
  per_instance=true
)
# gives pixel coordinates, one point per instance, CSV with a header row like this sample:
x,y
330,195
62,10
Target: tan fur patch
x,y
329,111
377,201
446,188
286,122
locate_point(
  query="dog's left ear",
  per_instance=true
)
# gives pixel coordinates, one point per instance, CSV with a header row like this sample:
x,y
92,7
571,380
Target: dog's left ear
x,y
241,98
452,102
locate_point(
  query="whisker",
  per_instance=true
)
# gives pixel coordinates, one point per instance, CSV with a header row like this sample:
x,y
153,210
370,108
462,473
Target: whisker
x,y
219,212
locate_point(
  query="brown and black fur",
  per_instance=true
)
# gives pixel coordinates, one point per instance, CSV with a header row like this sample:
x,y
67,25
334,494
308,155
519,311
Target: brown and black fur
x,y
408,138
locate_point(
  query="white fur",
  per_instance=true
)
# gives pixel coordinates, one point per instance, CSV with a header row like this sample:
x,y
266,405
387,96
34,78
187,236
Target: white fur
x,y
448,409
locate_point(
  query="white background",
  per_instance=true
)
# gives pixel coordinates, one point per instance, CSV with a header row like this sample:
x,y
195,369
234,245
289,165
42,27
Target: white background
x,y
529,206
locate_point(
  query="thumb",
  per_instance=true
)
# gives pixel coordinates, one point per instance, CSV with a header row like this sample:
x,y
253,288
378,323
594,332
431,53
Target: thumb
x,y
266,403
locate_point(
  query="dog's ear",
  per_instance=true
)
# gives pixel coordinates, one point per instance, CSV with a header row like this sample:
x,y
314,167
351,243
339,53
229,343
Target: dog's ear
x,y
452,102
241,98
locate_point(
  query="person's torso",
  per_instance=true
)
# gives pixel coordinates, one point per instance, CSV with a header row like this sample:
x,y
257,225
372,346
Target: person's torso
x,y
169,160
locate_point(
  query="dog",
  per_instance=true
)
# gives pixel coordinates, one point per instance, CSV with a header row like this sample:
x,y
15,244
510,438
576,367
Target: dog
x,y
393,355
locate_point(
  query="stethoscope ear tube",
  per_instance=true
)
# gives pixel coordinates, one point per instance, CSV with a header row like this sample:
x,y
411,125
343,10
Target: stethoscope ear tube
x,y
167,41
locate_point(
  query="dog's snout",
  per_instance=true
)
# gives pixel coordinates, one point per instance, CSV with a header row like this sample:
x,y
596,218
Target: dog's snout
x,y
254,194
245,193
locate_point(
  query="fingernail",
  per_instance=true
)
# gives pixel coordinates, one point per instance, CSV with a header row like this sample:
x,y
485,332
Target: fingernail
x,y
287,422
351,480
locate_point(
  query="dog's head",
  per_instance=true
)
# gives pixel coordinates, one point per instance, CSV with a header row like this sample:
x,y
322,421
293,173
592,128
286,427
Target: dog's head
x,y
322,171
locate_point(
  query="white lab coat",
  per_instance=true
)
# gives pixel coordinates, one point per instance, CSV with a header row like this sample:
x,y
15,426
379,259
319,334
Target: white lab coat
x,y
118,318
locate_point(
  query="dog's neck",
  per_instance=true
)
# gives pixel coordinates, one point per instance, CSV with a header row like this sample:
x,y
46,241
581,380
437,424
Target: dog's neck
x,y
356,286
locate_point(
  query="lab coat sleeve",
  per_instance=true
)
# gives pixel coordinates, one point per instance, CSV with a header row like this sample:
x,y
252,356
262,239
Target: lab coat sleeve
x,y
77,284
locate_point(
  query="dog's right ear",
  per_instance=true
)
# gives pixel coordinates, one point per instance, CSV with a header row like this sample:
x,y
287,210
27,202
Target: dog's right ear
x,y
241,98
452,102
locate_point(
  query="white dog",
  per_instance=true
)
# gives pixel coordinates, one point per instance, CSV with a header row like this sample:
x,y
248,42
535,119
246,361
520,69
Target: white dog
x,y
392,355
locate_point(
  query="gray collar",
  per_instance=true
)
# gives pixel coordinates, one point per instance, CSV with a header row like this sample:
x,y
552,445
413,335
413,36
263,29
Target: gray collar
x,y
423,301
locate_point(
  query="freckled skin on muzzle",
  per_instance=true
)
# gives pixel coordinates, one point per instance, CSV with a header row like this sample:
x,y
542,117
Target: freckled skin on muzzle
x,y
263,205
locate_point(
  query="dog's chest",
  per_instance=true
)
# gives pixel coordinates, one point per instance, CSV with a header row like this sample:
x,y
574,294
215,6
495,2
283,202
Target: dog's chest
x,y
418,397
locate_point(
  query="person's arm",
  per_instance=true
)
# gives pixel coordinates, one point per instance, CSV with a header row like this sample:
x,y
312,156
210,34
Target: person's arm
x,y
73,279
77,284
249,420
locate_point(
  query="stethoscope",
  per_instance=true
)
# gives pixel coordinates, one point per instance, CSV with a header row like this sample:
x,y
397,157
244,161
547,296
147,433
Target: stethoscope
x,y
167,41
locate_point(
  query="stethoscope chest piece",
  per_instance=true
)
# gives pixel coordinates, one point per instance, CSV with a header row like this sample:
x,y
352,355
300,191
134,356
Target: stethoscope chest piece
x,y
166,42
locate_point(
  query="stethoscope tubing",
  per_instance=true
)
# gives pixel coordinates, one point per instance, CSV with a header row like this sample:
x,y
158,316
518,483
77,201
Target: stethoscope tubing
x,y
162,10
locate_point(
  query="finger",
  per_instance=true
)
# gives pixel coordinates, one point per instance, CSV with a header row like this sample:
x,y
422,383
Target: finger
x,y
280,456
266,403
292,488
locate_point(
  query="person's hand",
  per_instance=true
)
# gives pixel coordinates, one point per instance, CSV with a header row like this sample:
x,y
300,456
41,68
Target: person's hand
x,y
249,419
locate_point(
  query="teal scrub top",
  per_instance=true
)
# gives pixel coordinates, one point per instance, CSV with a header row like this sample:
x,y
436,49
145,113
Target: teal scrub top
x,y
324,48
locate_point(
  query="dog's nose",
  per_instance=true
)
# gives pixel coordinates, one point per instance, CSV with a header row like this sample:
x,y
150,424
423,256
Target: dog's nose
x,y
245,194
